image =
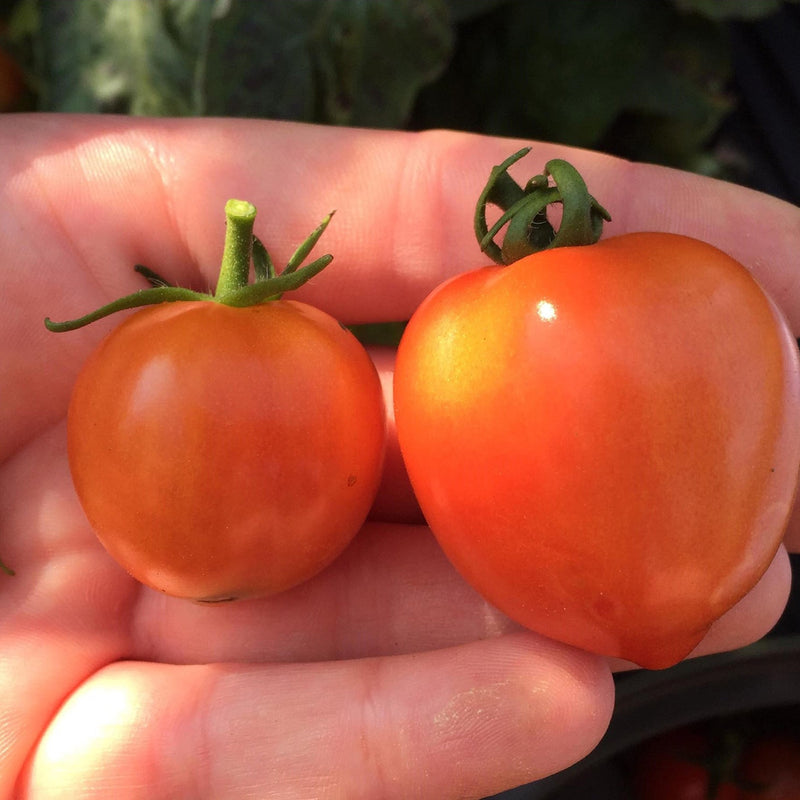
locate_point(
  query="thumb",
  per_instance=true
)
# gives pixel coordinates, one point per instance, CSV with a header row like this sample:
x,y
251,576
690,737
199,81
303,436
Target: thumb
x,y
463,722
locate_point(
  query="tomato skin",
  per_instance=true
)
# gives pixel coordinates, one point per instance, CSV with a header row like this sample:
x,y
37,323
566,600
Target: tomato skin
x,y
226,452
605,439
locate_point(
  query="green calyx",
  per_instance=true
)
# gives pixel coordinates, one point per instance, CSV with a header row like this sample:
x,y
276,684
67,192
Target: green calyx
x,y
242,251
525,211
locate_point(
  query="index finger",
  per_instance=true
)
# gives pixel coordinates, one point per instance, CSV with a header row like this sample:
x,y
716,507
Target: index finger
x,y
405,200
406,206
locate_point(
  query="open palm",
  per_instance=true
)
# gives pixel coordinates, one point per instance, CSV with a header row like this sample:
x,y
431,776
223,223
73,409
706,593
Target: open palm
x,y
384,677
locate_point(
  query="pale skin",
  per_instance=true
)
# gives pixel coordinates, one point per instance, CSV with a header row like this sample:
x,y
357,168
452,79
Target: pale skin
x,y
385,677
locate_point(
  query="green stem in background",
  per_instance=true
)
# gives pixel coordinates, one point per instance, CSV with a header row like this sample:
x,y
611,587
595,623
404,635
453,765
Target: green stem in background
x,y
233,287
153,278
379,334
525,211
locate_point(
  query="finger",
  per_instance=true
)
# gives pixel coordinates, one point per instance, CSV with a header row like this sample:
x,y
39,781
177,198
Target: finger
x,y
395,501
65,612
153,190
459,723
407,200
392,591
792,538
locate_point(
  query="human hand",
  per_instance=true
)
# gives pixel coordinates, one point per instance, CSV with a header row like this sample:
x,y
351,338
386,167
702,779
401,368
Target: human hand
x,y
385,676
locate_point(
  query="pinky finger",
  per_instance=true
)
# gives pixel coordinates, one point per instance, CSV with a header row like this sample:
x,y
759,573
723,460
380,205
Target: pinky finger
x,y
458,723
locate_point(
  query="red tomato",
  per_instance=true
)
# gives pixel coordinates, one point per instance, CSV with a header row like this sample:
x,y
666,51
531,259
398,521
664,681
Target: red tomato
x,y
678,765
224,452
604,439
771,769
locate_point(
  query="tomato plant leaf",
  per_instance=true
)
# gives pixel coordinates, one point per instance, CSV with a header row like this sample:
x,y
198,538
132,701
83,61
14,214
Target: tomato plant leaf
x,y
575,73
266,46
123,56
333,61
340,61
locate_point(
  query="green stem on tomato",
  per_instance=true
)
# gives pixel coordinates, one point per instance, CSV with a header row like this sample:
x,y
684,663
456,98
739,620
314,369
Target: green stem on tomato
x,y
238,250
307,246
233,287
145,297
253,293
525,211
6,569
503,191
263,267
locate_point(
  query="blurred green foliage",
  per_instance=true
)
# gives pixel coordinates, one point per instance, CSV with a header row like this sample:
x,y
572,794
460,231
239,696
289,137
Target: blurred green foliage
x,y
647,79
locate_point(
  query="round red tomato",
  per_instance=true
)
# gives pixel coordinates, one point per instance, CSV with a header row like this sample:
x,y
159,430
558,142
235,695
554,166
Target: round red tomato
x,y
224,452
604,439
